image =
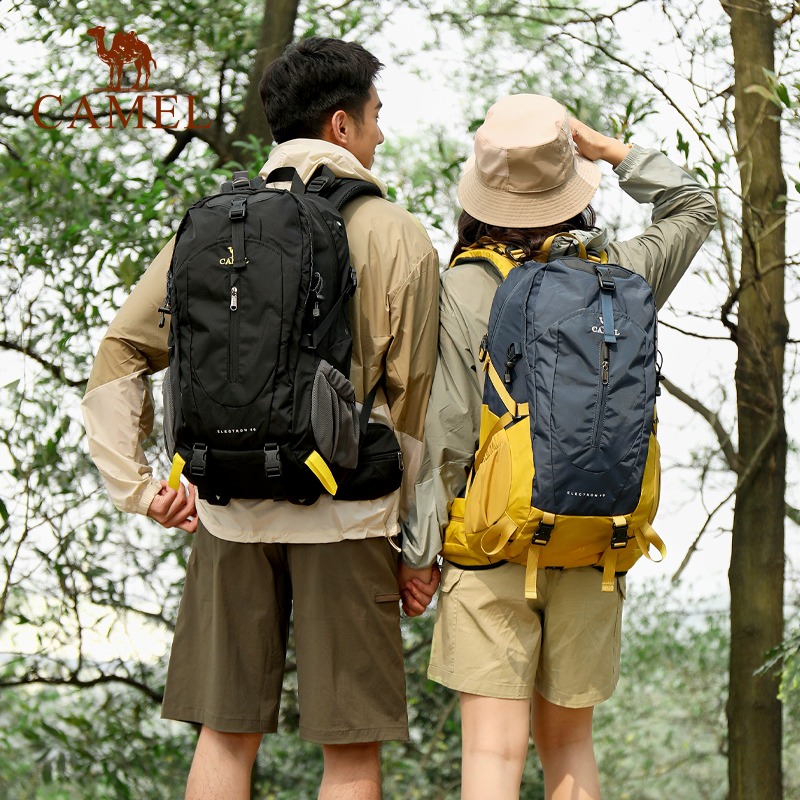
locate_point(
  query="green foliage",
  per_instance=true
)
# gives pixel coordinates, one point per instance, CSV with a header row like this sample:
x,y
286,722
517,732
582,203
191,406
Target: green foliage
x,y
84,212
661,734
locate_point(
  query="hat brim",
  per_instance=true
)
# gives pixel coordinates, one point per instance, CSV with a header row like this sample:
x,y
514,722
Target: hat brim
x,y
529,209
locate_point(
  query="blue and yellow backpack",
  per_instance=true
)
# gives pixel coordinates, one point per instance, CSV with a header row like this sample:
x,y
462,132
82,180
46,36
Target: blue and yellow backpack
x,y
567,470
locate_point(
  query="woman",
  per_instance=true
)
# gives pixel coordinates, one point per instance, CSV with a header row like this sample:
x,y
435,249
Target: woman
x,y
541,664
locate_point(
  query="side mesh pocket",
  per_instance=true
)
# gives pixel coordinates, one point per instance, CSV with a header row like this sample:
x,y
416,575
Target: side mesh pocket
x,y
169,413
334,419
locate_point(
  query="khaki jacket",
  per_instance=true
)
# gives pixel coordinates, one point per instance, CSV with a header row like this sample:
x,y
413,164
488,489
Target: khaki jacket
x,y
394,320
683,215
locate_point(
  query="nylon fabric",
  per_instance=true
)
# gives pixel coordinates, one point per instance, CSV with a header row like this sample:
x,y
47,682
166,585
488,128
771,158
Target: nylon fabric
x,y
567,435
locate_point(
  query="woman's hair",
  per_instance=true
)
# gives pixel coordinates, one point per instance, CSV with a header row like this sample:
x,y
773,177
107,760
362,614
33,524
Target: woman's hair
x,y
529,240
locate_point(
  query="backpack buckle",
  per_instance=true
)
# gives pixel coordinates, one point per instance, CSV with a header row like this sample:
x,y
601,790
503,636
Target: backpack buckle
x,y
238,208
321,181
619,538
272,461
605,279
542,534
197,466
482,350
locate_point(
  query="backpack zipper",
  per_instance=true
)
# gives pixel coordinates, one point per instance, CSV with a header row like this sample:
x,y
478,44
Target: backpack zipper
x,y
600,411
233,332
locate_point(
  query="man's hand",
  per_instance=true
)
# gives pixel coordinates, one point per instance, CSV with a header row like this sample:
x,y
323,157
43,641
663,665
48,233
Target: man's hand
x,y
175,509
417,587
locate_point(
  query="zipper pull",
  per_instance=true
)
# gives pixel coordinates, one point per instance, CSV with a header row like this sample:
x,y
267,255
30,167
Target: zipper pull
x,y
234,298
513,355
316,290
604,366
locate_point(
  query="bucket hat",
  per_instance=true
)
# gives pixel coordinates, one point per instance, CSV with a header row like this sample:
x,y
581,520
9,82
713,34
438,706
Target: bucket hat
x,y
526,172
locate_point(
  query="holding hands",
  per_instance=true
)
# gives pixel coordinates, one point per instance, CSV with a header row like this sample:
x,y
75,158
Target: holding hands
x,y
417,587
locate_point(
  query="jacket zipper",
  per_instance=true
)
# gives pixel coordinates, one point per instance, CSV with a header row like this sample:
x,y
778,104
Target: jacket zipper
x,y
600,411
233,332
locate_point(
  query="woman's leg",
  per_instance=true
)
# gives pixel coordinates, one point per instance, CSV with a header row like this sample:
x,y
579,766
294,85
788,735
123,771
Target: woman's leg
x,y
495,736
563,739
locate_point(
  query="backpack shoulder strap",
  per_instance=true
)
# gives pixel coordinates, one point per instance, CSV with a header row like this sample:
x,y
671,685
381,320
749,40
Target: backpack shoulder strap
x,y
339,191
503,264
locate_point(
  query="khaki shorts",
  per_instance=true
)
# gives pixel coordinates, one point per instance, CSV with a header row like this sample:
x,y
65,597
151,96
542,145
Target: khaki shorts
x,y
489,640
227,661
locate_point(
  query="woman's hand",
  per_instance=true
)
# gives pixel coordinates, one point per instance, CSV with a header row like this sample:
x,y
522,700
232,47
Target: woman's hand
x,y
596,146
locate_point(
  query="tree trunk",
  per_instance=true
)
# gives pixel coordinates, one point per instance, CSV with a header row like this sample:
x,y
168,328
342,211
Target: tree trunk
x,y
277,30
757,561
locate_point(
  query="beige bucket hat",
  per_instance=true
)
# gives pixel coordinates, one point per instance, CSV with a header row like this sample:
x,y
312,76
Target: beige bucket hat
x,y
525,172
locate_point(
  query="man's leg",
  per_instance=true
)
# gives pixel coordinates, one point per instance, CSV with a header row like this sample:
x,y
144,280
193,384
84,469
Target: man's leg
x,y
495,736
222,765
352,772
563,739
349,651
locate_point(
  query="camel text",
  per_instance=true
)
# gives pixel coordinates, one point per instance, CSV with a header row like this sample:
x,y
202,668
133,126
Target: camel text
x,y
160,110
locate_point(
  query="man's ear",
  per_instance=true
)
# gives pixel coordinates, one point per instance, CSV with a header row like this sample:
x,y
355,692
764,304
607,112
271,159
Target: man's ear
x,y
339,128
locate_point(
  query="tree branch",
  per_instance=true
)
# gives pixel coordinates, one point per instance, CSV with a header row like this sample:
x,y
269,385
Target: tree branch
x,y
712,418
35,678
53,369
744,479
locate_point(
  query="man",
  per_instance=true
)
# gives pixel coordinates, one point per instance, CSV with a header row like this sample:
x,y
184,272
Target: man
x,y
330,565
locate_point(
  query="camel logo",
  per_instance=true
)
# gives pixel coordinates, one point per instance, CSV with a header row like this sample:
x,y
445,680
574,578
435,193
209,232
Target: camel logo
x,y
126,48
600,329
165,111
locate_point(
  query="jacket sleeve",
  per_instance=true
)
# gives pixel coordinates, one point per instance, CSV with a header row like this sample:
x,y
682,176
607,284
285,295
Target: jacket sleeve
x,y
118,405
684,214
410,362
452,423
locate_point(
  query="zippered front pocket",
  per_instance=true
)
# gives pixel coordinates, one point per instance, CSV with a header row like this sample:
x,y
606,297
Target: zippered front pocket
x,y
602,394
233,331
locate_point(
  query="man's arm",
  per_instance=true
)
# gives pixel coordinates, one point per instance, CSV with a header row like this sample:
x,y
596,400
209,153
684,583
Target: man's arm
x,y
118,405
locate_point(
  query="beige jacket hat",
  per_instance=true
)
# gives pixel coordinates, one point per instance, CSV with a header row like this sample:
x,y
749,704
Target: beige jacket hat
x,y
526,172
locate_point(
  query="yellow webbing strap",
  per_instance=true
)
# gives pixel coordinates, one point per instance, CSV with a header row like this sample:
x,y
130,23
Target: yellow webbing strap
x,y
503,264
515,409
499,536
610,569
646,536
531,571
174,480
316,463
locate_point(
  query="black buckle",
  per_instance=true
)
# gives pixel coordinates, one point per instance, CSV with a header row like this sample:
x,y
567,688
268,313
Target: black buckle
x,y
605,279
353,285
272,461
240,180
513,355
543,533
619,538
197,466
322,181
238,208
484,346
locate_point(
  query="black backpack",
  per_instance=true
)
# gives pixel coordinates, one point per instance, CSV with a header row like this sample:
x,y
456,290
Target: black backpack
x,y
258,401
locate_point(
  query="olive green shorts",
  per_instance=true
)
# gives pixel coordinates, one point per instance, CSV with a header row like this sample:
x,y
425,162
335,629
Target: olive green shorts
x,y
227,662
490,640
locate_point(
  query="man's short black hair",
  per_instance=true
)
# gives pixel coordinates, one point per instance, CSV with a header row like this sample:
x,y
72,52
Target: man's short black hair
x,y
312,79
